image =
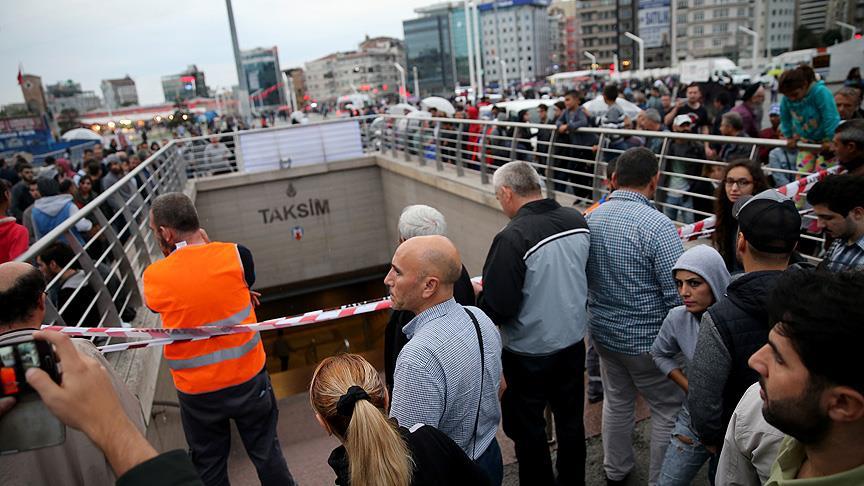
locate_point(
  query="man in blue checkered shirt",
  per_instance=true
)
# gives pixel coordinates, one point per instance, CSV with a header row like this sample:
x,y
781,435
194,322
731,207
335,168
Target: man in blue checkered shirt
x,y
631,289
440,378
838,204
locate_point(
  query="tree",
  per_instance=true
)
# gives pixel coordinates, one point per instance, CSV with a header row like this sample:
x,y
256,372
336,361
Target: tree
x,y
805,38
831,37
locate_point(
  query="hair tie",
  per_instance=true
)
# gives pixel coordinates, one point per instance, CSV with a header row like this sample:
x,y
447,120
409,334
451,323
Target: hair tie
x,y
345,406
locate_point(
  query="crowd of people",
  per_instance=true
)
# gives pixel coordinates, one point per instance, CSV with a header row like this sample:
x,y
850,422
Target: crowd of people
x,y
743,351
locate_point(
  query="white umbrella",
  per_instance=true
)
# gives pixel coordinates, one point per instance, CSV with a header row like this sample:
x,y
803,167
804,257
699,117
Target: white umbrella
x,y
597,107
81,134
439,104
399,109
415,117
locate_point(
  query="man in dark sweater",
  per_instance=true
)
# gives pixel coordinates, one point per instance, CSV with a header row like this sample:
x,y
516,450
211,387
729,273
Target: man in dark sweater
x,y
418,220
737,325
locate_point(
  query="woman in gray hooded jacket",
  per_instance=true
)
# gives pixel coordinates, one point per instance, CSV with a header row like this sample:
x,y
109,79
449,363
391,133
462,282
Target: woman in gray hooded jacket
x,y
701,277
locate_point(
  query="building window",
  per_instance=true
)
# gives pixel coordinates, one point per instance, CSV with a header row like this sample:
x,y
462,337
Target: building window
x,y
698,16
698,31
697,44
718,42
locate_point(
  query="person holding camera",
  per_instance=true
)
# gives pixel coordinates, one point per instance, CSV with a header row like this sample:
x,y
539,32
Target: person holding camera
x,y
77,459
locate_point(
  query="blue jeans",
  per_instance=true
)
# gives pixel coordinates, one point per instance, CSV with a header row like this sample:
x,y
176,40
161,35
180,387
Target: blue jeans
x,y
683,461
492,464
679,200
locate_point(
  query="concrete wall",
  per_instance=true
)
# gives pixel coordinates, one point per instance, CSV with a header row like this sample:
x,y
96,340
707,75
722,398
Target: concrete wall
x,y
337,206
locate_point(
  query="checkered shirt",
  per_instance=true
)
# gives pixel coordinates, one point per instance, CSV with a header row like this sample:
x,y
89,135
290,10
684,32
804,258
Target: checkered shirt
x,y
630,283
843,256
437,377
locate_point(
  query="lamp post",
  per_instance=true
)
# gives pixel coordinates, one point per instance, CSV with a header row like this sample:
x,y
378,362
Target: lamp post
x,y
469,39
478,54
844,25
416,82
641,44
593,60
503,75
243,94
755,36
402,90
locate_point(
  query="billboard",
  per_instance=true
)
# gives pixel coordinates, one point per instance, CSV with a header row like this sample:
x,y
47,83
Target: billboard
x,y
654,22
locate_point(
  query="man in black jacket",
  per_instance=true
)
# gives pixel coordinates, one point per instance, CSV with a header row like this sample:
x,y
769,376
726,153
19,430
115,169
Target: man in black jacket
x,y
418,220
535,290
736,326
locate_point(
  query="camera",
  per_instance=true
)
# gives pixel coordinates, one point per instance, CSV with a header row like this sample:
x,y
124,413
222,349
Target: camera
x,y
19,355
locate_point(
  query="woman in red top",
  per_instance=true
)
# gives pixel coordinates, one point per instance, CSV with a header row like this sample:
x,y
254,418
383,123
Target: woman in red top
x,y
14,238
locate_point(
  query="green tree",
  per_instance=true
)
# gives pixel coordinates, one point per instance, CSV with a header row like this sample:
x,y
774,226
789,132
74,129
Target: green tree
x,y
831,37
805,38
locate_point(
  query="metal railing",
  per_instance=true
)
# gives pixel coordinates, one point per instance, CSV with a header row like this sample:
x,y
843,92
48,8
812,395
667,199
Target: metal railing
x,y
480,147
110,258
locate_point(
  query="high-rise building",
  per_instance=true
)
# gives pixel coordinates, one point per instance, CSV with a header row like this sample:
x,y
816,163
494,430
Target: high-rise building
x,y
565,36
776,27
185,86
709,29
515,40
848,11
812,14
436,43
370,70
653,24
263,77
599,31
119,92
68,95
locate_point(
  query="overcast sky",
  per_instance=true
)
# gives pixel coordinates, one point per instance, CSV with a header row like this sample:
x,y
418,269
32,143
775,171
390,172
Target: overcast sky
x,y
88,41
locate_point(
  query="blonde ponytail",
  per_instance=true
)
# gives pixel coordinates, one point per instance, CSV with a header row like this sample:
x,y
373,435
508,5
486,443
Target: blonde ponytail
x,y
377,454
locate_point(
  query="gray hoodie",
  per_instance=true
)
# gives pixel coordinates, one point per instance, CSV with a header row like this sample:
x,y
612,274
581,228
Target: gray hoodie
x,y
680,328
52,205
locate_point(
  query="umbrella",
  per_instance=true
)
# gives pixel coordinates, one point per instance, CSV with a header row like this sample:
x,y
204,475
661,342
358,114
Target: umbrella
x,y
81,134
439,104
416,117
597,107
399,109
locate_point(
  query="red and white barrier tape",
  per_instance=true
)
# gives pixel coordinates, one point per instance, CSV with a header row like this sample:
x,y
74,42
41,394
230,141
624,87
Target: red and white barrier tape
x,y
795,188
160,336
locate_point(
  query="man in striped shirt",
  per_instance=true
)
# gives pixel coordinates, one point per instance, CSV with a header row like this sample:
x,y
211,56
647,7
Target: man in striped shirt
x,y
838,203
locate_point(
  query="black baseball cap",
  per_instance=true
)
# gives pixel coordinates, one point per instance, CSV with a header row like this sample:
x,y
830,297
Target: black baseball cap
x,y
769,221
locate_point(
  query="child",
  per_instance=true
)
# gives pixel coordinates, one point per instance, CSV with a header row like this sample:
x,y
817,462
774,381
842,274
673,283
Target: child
x,y
807,114
701,277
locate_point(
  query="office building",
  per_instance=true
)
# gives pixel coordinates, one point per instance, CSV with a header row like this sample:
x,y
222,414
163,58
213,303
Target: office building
x,y
599,31
515,40
565,36
263,77
368,70
812,14
709,29
68,95
119,92
777,27
185,86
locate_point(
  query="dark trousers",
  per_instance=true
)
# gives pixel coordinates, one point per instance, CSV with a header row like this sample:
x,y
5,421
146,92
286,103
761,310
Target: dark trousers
x,y
491,463
206,422
532,383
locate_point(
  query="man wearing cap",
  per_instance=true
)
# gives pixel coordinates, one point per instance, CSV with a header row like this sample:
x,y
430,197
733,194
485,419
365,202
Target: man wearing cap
x,y
737,325
772,133
687,149
838,204
848,146
751,109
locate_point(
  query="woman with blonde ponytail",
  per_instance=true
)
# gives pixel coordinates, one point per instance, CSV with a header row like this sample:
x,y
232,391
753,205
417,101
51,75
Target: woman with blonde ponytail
x,y
349,401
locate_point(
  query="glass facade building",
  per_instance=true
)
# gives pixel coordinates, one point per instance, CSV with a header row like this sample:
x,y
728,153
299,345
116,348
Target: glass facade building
x,y
264,78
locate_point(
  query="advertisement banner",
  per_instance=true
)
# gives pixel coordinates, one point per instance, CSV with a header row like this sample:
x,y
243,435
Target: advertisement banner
x,y
654,22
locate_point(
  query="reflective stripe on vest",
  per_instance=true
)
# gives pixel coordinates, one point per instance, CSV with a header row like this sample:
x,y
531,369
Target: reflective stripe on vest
x,y
237,318
215,357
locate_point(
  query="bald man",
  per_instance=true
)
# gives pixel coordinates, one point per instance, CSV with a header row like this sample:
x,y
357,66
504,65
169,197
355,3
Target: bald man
x,y
77,460
447,376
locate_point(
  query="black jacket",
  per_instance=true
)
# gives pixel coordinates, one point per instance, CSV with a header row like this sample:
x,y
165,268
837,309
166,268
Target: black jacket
x,y
395,339
172,468
437,461
741,320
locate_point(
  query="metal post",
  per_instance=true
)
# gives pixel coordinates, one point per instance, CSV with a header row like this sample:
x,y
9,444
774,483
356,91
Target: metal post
x,y
504,75
470,41
460,152
663,162
478,54
593,61
439,166
416,82
755,36
405,148
243,92
641,44
404,90
481,158
513,143
595,184
550,171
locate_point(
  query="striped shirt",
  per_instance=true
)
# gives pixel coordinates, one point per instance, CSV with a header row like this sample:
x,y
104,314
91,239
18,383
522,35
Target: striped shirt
x,y
437,377
630,283
844,256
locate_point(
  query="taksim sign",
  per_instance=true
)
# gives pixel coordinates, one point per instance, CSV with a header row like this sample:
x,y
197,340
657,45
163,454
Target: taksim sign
x,y
293,212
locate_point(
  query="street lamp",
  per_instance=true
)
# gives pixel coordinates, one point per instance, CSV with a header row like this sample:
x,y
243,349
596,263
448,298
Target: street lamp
x,y
593,60
851,27
503,74
755,36
470,42
641,43
402,90
243,94
416,82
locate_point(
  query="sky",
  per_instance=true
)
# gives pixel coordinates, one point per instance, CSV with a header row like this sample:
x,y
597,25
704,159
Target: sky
x,y
88,41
